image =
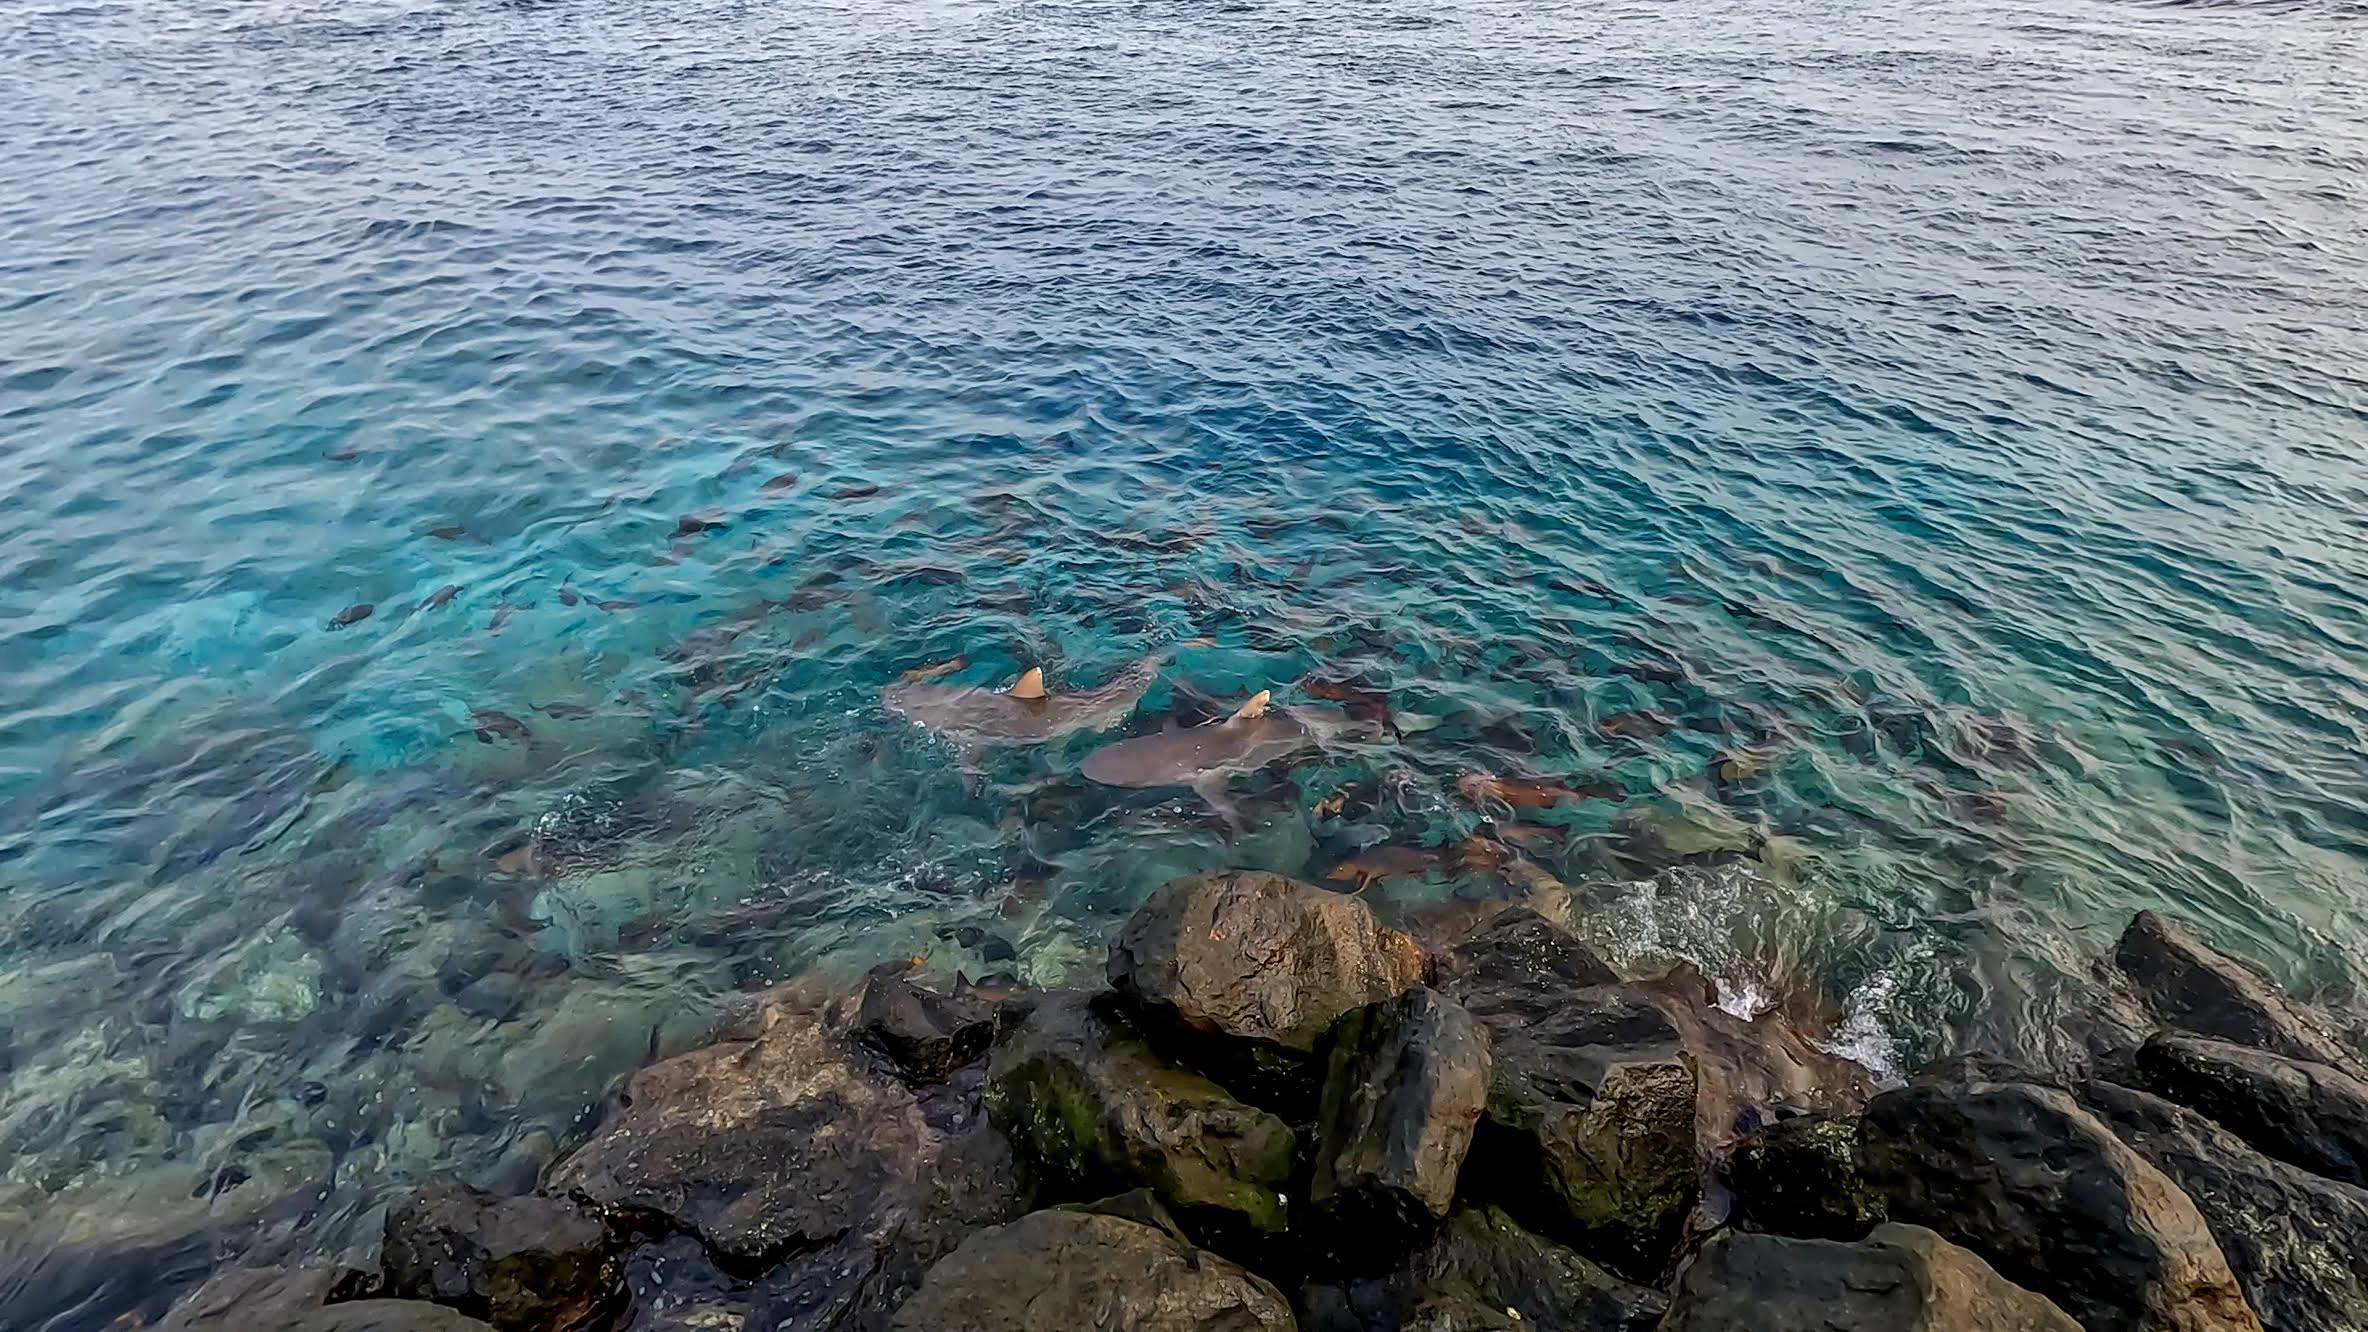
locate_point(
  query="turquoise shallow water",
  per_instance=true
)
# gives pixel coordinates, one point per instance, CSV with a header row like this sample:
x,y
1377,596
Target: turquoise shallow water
x,y
1958,412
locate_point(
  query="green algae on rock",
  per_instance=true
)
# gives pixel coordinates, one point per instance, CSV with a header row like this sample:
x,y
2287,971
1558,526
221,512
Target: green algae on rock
x,y
1093,1104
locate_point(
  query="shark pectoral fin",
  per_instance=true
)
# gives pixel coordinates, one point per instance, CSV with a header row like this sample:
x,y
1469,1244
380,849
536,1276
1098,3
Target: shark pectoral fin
x,y
1029,686
1211,788
1255,708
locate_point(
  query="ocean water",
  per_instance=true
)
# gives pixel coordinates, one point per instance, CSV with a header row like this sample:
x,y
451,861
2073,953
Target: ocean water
x,y
1917,448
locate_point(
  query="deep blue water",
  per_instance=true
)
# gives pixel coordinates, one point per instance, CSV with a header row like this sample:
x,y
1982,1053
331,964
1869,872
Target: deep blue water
x,y
1959,408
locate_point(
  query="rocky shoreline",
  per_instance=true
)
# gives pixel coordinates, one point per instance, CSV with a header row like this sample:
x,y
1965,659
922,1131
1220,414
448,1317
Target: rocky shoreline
x,y
1282,1113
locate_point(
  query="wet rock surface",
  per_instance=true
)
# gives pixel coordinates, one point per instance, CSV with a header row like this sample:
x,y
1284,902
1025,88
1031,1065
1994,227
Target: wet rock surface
x,y
1483,1266
926,1035
1405,1085
1527,1141
1752,1068
757,1146
1898,1279
2025,1177
526,1264
2309,1114
1591,1106
1799,1177
799,1165
2191,986
2297,1242
673,1286
1063,1269
1100,1112
1256,965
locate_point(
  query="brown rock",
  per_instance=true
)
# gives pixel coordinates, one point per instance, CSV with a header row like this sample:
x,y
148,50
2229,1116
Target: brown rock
x,y
2192,986
2299,1111
2025,1177
786,1149
2297,1242
1897,1279
1755,1068
1060,1270
1257,961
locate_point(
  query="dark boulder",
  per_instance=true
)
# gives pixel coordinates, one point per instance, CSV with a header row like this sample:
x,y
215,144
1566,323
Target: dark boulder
x,y
1897,1279
1253,968
2299,1111
2192,986
2023,1176
675,1287
927,1035
1480,1268
788,1154
2297,1242
856,1283
1800,1177
531,1264
1061,1270
1099,1112
1404,1087
1589,1132
1523,951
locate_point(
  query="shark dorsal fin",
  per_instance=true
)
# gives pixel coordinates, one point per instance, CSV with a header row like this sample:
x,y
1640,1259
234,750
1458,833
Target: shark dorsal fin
x,y
1029,686
1253,709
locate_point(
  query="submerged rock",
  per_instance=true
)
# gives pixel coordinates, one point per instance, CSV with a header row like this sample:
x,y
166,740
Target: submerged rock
x,y
528,1264
170,1203
280,1299
598,1032
1406,1082
1482,1266
2192,986
271,978
1589,1130
1100,1112
2022,1175
1061,1269
1753,1067
2297,1242
1257,964
1898,1279
1669,831
1799,1177
251,1297
2305,1113
788,1154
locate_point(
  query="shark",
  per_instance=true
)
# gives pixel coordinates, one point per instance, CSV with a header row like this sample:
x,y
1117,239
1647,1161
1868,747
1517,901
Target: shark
x,y
1025,712
1209,756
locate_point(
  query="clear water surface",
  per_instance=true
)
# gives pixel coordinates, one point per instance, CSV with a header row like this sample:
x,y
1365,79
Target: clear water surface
x,y
1949,418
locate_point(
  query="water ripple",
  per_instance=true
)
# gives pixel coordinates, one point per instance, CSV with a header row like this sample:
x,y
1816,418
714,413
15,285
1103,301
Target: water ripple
x,y
1928,441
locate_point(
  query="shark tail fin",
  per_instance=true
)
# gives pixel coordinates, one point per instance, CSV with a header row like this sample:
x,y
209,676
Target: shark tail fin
x,y
1030,685
1255,708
